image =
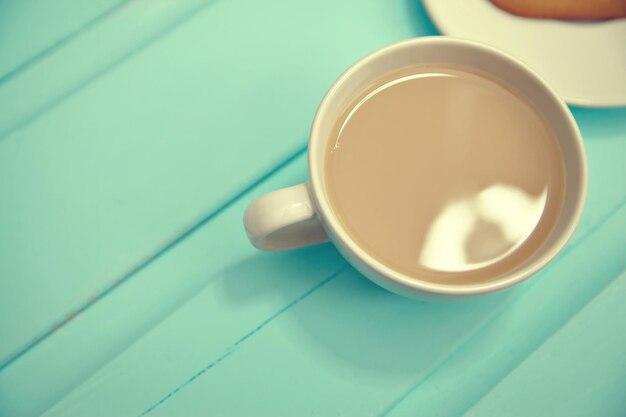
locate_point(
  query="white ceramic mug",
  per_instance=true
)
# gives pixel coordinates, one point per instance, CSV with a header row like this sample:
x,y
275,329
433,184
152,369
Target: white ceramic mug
x,y
302,215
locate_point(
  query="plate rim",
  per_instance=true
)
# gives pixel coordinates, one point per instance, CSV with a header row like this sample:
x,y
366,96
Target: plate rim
x,y
435,18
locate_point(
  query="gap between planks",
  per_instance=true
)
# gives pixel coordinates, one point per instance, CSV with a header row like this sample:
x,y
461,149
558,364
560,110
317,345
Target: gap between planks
x,y
148,260
65,92
232,348
566,252
65,40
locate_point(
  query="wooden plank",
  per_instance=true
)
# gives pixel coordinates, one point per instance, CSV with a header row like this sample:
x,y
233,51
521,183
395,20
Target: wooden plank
x,y
354,348
580,371
106,337
97,185
216,253
551,300
351,354
581,257
31,29
604,134
70,66
342,340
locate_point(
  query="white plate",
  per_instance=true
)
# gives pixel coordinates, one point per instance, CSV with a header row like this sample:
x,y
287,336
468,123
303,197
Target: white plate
x,y
585,62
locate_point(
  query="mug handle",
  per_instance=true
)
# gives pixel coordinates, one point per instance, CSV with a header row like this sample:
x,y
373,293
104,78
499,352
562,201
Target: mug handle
x,y
284,219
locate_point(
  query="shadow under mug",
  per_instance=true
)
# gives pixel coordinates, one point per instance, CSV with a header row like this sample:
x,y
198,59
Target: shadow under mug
x,y
302,215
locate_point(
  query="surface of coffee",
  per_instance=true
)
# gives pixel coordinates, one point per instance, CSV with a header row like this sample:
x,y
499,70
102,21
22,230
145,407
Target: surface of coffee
x,y
444,174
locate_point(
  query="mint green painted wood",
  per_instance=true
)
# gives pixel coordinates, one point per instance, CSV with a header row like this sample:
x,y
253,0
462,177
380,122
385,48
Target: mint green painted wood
x,y
354,348
138,305
306,345
130,163
579,371
216,253
352,354
609,230
30,29
551,300
106,178
604,134
67,68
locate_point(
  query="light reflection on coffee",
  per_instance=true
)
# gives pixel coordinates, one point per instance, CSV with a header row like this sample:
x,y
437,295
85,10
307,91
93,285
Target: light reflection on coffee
x,y
445,174
482,229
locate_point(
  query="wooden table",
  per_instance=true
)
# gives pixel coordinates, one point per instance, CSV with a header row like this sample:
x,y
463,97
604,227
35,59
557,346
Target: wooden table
x,y
132,136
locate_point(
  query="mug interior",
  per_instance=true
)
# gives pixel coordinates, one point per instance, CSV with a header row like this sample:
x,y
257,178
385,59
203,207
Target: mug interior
x,y
450,51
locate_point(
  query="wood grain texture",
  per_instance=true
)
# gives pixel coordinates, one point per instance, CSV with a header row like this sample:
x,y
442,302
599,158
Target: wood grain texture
x,y
107,177
513,332
126,180
110,40
354,347
215,255
579,371
29,30
552,299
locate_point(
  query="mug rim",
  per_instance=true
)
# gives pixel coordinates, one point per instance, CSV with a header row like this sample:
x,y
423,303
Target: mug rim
x,y
340,236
